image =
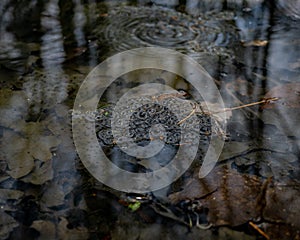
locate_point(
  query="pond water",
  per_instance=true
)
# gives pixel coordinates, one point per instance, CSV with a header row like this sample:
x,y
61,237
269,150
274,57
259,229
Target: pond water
x,y
249,51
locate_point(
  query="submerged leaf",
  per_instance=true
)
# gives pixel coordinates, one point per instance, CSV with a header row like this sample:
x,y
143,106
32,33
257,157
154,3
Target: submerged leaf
x,y
20,150
42,172
9,194
234,148
46,229
283,203
7,224
231,197
9,199
19,160
13,108
80,233
58,189
54,196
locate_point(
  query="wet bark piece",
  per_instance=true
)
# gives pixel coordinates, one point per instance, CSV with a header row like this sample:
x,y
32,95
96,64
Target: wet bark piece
x,y
233,203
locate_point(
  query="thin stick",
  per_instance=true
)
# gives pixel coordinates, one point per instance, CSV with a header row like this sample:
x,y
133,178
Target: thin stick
x,y
187,117
259,230
264,101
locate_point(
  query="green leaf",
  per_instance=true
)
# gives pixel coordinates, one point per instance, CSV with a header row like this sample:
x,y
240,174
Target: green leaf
x,y
134,206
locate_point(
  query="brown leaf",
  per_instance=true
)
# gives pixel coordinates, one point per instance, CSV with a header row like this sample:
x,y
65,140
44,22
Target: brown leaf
x,y
283,203
53,196
58,189
13,108
7,224
46,229
66,233
18,158
9,199
9,194
20,150
42,173
233,203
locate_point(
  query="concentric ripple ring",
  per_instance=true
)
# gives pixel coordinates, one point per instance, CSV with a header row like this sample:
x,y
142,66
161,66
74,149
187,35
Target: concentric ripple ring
x,y
98,81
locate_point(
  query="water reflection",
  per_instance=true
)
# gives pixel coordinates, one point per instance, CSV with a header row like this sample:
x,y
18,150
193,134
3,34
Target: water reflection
x,y
289,8
79,22
52,51
251,48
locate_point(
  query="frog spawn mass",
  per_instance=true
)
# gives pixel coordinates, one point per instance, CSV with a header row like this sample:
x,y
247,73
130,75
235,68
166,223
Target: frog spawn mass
x,y
151,121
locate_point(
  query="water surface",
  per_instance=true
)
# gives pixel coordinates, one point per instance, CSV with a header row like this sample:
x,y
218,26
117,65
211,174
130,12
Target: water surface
x,y
251,50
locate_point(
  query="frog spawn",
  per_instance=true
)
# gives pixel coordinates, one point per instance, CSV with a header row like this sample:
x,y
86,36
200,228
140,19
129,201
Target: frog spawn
x,y
148,115
141,130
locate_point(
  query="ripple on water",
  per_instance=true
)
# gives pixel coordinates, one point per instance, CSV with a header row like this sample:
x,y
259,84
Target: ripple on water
x,y
130,27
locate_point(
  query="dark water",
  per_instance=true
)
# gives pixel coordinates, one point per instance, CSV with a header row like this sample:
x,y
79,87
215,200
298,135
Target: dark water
x,y
251,51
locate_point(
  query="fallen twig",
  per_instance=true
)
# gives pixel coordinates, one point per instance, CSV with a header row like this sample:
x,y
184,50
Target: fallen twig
x,y
188,116
195,108
259,230
264,101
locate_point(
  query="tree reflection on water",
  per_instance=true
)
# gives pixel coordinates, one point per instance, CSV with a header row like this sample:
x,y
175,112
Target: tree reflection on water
x,y
47,48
